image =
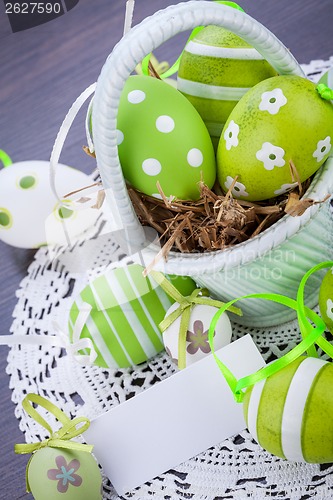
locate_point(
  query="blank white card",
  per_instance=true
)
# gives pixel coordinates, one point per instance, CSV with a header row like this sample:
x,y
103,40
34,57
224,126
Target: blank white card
x,y
174,420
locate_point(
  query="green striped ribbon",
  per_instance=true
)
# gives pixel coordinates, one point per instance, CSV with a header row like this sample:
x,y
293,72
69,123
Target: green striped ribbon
x,y
325,92
174,68
310,336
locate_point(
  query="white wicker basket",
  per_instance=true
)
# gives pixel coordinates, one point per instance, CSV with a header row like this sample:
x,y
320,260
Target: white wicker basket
x,y
275,260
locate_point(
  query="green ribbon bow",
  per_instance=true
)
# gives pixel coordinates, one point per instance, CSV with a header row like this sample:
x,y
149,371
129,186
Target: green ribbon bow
x,y
325,92
198,296
310,336
58,439
174,68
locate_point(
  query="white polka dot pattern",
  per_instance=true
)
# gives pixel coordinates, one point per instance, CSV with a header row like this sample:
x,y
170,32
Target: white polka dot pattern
x,y
136,96
151,166
195,157
165,124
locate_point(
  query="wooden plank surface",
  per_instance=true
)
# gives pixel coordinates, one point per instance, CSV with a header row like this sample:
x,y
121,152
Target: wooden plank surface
x,y
42,70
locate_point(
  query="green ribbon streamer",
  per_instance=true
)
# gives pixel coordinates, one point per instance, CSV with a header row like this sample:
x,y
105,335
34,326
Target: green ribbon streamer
x,y
174,68
59,439
5,158
198,296
310,336
325,92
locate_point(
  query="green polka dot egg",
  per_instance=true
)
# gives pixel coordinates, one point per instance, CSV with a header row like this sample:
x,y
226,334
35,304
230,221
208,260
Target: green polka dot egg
x,y
124,311
162,138
56,473
281,119
290,413
30,214
216,69
326,299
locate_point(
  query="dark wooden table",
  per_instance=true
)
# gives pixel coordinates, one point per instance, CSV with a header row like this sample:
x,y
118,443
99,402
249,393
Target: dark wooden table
x,y
42,70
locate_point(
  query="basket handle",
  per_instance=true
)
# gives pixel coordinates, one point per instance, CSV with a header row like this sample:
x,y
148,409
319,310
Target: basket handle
x,y
132,48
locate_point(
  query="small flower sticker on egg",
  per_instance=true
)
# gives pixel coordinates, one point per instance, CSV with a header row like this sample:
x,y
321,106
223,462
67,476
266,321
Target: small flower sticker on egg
x,y
65,474
271,156
239,189
231,135
272,101
285,188
323,148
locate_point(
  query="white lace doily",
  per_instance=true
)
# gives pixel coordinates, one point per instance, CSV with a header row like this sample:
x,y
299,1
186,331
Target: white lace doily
x,y
237,468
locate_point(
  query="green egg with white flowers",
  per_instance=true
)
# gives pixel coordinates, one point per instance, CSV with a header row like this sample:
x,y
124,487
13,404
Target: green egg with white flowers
x,y
280,122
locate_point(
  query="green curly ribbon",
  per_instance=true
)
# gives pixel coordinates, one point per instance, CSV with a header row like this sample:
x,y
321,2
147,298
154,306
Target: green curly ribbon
x,y
5,158
174,68
325,92
310,336
198,296
59,439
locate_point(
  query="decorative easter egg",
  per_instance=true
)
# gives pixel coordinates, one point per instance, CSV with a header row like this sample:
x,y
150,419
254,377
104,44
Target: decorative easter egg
x,y
197,344
56,473
216,69
125,311
162,138
28,206
281,119
327,78
326,299
290,413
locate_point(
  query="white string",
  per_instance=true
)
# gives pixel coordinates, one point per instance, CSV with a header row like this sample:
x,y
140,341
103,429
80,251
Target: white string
x,y
129,15
61,339
63,132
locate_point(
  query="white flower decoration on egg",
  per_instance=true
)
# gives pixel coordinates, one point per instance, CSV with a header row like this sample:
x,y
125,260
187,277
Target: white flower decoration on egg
x,y
239,189
231,135
329,308
323,147
272,101
284,188
271,156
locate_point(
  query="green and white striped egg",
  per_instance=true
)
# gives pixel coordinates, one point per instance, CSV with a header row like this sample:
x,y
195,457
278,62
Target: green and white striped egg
x,y
126,309
326,299
290,414
216,69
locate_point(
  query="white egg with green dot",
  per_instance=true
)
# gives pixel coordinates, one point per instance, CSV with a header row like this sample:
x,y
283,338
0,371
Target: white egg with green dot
x,y
162,138
216,69
30,214
280,120
290,413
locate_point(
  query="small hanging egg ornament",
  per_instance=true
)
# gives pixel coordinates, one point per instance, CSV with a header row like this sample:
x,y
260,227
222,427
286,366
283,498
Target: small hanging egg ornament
x,y
162,138
281,120
326,299
216,69
125,310
197,344
290,414
56,473
30,214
